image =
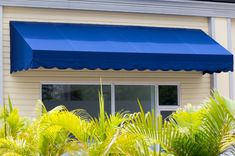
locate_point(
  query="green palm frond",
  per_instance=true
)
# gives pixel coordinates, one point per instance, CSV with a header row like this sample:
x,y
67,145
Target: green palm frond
x,y
55,141
203,131
11,122
68,121
208,130
83,114
179,134
102,114
217,123
18,147
40,109
10,104
144,124
11,154
14,123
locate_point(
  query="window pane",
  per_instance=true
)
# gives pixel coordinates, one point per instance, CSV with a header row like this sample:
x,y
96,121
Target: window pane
x,y
76,97
126,97
165,114
168,95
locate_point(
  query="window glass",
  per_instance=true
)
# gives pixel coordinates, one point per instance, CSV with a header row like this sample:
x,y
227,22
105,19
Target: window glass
x,y
165,114
76,97
126,97
86,97
168,95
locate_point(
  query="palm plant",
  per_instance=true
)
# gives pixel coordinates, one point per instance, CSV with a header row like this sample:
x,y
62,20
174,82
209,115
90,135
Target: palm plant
x,y
93,136
191,131
12,128
203,131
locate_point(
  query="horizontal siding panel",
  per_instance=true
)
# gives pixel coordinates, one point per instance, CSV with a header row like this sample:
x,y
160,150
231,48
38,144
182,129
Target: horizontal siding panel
x,y
24,97
121,73
195,100
19,84
89,15
104,79
184,87
190,92
17,90
177,76
87,72
188,87
195,103
103,17
159,24
24,87
107,73
25,103
19,101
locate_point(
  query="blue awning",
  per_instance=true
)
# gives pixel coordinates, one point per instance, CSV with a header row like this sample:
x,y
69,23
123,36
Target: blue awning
x,y
87,46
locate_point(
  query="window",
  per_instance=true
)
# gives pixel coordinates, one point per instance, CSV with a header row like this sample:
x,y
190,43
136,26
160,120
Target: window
x,y
126,97
118,97
168,95
168,99
76,97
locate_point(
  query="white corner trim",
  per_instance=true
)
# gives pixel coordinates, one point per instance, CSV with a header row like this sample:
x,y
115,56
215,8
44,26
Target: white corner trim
x,y
1,55
171,7
212,34
231,77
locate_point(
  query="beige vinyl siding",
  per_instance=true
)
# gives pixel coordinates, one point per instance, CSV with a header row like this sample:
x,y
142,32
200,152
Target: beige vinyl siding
x,y
221,36
24,87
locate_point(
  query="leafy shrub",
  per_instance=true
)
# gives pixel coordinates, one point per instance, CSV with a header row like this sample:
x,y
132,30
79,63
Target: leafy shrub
x,y
207,130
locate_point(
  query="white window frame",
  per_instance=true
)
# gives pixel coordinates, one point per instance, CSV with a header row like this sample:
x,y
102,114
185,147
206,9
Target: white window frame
x,y
169,107
157,108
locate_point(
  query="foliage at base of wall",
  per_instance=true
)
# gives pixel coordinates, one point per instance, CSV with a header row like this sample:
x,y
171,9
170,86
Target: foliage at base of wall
x,y
207,130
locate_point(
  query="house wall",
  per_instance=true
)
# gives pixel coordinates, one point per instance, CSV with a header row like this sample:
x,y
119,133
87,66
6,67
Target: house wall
x,y
233,49
221,36
24,87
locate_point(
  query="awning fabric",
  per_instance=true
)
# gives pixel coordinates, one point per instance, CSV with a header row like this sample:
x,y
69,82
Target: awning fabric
x,y
88,46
